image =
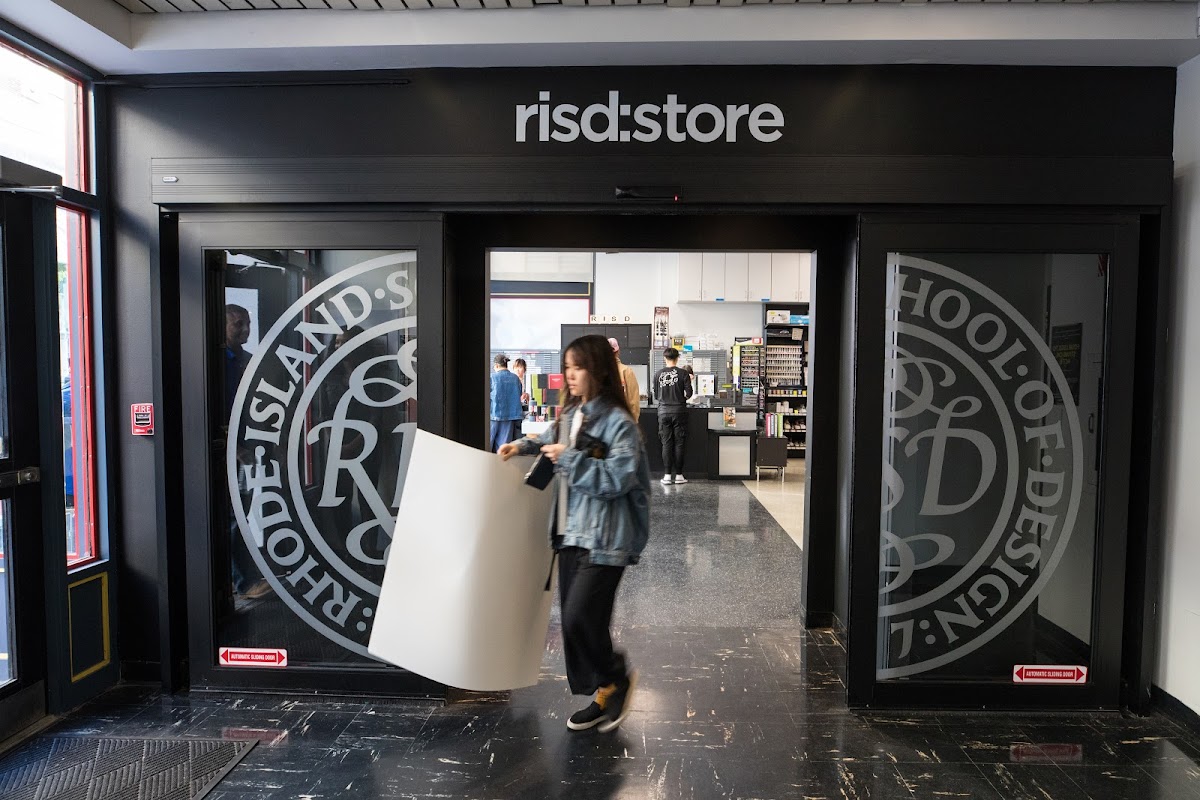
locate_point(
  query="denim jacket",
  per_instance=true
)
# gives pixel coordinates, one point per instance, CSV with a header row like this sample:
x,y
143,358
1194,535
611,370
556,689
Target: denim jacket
x,y
608,499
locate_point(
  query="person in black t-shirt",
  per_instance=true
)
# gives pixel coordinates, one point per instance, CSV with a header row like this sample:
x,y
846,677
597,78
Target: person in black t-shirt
x,y
672,387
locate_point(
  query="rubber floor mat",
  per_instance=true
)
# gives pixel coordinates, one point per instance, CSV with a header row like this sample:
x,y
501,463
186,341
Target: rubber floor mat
x,y
107,768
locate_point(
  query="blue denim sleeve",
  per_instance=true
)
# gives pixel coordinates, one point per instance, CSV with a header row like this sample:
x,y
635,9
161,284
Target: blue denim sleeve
x,y
529,447
609,477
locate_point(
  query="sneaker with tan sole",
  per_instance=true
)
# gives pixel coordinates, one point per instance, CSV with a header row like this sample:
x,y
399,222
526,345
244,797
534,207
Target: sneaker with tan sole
x,y
619,703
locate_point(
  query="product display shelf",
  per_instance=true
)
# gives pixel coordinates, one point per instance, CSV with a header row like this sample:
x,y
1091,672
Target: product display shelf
x,y
785,389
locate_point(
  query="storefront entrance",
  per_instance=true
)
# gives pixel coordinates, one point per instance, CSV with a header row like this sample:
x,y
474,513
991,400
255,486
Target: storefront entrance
x,y
991,363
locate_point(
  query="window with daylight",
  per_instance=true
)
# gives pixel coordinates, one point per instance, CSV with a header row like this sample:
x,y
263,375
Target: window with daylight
x,y
75,352
44,122
43,118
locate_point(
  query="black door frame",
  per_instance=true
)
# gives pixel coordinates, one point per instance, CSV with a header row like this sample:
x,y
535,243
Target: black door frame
x,y
830,233
72,651
470,232
1114,234
25,700
199,324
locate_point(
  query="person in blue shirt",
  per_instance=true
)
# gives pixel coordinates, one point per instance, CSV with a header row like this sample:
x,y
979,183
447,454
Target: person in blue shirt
x,y
506,403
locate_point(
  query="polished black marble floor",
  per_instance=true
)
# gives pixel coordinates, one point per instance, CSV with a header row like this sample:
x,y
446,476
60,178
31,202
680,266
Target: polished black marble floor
x,y
736,701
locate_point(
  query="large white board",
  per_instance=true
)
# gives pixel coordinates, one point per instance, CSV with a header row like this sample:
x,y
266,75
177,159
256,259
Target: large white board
x,y
465,599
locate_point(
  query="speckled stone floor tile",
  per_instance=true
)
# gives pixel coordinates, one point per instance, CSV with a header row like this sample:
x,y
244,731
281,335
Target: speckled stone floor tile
x,y
736,701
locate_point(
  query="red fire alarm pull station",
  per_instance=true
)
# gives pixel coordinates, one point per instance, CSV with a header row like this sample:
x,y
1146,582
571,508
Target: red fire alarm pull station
x,y
141,418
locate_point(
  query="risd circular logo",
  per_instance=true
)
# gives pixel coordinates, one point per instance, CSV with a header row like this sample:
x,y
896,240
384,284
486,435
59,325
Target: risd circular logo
x,y
319,435
982,466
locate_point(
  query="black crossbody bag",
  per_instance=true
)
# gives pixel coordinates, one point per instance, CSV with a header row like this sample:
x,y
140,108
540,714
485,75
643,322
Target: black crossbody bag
x,y
542,471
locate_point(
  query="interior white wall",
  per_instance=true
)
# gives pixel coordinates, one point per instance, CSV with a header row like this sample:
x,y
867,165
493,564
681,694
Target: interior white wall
x,y
632,284
1179,608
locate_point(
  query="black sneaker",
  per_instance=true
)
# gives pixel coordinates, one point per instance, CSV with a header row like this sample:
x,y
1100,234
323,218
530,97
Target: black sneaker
x,y
589,717
619,703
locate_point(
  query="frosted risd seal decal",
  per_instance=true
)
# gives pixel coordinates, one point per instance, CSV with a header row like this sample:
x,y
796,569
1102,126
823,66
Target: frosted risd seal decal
x,y
319,435
982,469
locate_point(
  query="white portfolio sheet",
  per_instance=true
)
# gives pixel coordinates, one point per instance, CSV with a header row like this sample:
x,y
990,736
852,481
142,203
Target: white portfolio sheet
x,y
464,599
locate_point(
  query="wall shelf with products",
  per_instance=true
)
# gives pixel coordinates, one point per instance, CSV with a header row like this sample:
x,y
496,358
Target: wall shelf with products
x,y
785,387
749,364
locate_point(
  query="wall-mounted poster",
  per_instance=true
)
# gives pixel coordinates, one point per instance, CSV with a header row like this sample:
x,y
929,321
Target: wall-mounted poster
x,y
1066,342
662,327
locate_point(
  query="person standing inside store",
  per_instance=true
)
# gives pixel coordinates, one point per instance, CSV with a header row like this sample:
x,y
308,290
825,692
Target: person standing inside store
x,y
248,582
518,369
506,403
599,523
672,387
629,383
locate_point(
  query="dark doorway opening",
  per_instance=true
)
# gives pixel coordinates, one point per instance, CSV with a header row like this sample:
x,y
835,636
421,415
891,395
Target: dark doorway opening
x,y
831,237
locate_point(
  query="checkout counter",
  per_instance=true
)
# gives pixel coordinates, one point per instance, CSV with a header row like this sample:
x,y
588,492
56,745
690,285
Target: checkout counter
x,y
713,450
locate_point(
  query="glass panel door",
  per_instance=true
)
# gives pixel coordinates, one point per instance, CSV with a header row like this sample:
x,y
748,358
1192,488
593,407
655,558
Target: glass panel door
x,y
8,633
300,333
22,595
995,573
988,537
319,383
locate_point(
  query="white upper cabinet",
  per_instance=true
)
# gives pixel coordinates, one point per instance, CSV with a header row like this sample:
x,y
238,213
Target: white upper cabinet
x,y
758,281
737,266
713,281
785,277
805,277
690,277
744,277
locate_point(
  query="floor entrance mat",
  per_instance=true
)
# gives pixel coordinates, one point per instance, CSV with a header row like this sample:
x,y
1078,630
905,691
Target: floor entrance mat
x,y
107,768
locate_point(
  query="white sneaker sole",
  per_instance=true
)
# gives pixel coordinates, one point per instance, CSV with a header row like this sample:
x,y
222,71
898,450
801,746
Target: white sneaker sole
x,y
613,724
583,726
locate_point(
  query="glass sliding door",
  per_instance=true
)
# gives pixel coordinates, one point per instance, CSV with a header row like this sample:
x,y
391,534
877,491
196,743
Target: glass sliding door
x,y
313,397
26,237
998,563
318,377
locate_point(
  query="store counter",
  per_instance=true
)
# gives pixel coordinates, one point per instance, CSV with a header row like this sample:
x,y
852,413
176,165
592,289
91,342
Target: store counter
x,y
705,432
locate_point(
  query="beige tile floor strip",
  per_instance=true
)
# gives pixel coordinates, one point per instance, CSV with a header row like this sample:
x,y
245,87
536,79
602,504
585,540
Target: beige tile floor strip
x,y
783,500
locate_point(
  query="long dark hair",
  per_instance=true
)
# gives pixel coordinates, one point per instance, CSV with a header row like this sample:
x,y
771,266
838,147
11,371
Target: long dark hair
x,y
595,354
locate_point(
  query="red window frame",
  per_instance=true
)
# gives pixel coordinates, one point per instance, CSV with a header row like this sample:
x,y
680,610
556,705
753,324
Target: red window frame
x,y
83,542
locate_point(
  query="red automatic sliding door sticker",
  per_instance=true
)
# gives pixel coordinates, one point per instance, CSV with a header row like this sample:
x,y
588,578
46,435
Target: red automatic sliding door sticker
x,y
1045,673
252,657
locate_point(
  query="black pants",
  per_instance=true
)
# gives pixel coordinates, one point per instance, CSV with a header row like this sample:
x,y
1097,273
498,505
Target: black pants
x,y
586,592
672,430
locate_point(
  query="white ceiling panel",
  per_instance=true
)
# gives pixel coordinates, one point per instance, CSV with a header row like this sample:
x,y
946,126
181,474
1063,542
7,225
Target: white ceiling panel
x,y
173,6
160,39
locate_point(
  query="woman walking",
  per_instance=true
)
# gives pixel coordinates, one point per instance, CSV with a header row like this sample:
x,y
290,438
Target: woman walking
x,y
599,523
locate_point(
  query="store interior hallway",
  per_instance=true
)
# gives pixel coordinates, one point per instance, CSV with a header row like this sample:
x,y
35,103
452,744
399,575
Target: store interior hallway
x,y
736,701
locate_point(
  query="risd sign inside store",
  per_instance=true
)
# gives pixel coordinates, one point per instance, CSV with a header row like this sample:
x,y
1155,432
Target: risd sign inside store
x,y
615,121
